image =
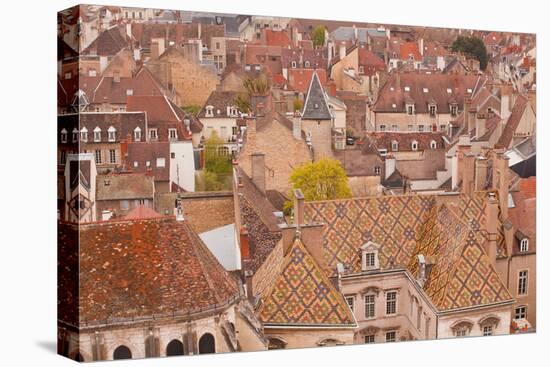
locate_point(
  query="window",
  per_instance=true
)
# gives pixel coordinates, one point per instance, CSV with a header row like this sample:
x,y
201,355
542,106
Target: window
x,y
410,109
209,111
307,64
112,156
488,330
129,92
524,245
433,144
442,127
394,145
293,64
522,282
92,72
377,170
136,164
520,312
391,303
97,156
433,110
382,127
390,336
172,134
63,136
421,128
84,134
234,130
75,135
111,134
361,69
369,259
153,134
394,127
454,110
68,75
97,134
161,162
461,332
369,306
172,155
137,134
410,127
414,145
369,339
350,301
124,204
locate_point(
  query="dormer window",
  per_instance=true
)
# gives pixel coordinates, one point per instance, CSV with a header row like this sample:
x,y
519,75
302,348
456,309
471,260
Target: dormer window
x,y
414,145
92,73
112,134
233,111
394,145
173,134
84,134
407,88
410,109
454,109
433,144
316,105
63,136
129,92
97,134
433,109
524,245
361,69
293,64
137,134
307,64
153,134
209,112
425,90
369,256
75,135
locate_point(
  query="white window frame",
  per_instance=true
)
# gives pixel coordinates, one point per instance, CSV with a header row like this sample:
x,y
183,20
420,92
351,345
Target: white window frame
x,y
524,245
97,134
391,303
370,339
433,144
370,305
137,134
172,134
382,127
84,134
520,311
209,111
488,330
414,145
395,145
161,162
350,300
434,108
97,156
153,134
63,135
410,109
75,135
111,134
112,156
523,282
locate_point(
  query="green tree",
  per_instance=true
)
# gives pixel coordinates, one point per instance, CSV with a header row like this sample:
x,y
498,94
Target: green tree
x,y
243,102
318,36
298,104
472,46
256,86
322,180
217,171
192,109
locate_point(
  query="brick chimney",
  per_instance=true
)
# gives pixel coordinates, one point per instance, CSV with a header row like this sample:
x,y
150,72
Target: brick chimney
x,y
299,208
468,173
244,243
481,124
492,227
505,101
481,165
258,171
472,113
297,125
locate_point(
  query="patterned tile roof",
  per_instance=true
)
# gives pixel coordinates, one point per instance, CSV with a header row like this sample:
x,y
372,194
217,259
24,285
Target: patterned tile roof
x,y
409,225
303,295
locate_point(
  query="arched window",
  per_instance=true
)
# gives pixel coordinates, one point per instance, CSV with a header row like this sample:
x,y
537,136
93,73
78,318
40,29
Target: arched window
x,y
122,352
137,134
174,348
97,134
63,135
75,135
111,133
276,343
414,145
294,64
207,344
524,245
209,111
433,144
307,64
329,342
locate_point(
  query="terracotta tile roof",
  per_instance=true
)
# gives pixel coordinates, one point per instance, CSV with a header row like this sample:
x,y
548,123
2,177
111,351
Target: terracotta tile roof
x,y
108,43
67,273
142,212
434,49
302,295
423,89
144,268
276,38
124,186
410,48
300,79
254,54
143,152
370,62
462,275
383,140
178,33
513,121
523,214
528,186
405,226
316,58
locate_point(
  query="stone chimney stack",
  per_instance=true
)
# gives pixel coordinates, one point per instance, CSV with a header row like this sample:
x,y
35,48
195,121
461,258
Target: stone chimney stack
x,y
116,76
258,171
492,227
481,124
481,165
155,49
299,208
472,113
297,125
501,181
421,46
342,50
505,101
468,173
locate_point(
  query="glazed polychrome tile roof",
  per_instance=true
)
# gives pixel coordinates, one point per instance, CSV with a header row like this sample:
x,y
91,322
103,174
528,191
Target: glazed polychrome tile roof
x,y
405,226
302,295
462,274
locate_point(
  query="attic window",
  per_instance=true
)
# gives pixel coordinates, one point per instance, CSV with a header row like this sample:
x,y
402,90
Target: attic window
x,y
433,109
129,92
209,112
449,90
454,109
136,164
75,135
97,134
92,72
369,256
137,134
407,89
392,89
247,67
306,64
107,182
84,134
469,90
410,109
112,133
257,67
433,144
394,145
316,105
394,105
63,136
425,90
294,64
414,145
524,245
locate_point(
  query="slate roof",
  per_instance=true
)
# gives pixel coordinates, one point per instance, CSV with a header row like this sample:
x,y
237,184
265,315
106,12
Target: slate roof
x,y
315,57
108,43
394,93
144,268
316,106
348,33
124,186
526,168
302,295
123,122
405,226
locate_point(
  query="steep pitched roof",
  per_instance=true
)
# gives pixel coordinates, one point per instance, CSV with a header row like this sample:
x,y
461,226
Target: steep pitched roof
x,y
513,121
144,268
108,43
219,100
316,106
407,49
300,79
302,295
277,38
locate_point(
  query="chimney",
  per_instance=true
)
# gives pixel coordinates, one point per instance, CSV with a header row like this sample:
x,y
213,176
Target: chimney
x,y
467,105
481,166
421,277
421,46
155,49
299,208
505,101
342,50
472,112
297,125
244,243
258,171
103,62
116,76
481,124
501,181
492,227
389,165
468,173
